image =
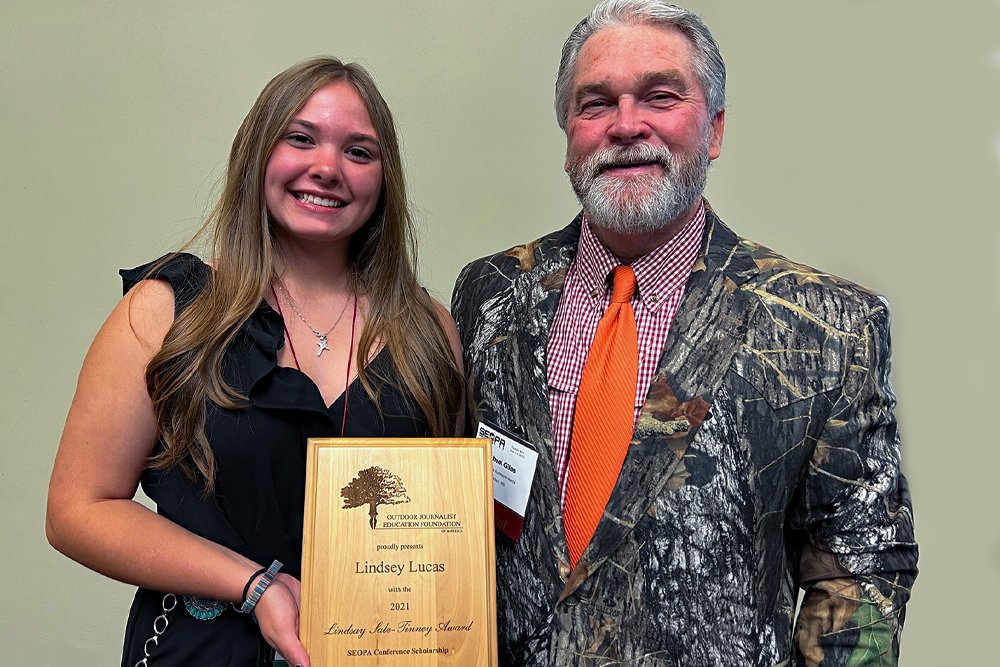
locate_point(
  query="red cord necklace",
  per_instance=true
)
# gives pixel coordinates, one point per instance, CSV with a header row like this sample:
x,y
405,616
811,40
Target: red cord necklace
x,y
295,357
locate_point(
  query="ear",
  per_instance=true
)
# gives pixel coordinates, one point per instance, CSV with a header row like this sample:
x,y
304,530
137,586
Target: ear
x,y
716,129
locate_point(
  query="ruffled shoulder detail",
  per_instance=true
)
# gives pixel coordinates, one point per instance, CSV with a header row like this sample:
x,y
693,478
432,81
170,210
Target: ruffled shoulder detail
x,y
187,275
253,354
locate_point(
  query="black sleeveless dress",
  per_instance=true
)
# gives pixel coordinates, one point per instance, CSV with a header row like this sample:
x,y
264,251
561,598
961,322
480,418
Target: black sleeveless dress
x,y
260,451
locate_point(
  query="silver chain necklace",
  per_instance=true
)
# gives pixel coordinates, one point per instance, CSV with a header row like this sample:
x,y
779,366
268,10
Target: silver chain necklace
x,y
322,342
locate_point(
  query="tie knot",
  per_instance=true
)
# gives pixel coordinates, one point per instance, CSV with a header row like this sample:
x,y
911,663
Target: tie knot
x,y
624,284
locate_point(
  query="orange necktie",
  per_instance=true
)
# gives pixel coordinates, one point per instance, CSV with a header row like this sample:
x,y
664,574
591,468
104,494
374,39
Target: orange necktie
x,y
605,416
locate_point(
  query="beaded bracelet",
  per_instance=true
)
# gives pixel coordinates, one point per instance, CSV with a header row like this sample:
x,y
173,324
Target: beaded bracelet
x,y
258,590
251,581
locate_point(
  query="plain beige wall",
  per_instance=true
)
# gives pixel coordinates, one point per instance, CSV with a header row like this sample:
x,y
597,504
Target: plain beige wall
x,y
862,136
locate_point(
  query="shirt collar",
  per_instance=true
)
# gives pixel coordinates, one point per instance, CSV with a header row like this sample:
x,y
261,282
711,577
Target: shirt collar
x,y
658,273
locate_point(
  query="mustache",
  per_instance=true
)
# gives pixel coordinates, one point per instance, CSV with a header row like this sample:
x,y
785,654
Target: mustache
x,y
627,155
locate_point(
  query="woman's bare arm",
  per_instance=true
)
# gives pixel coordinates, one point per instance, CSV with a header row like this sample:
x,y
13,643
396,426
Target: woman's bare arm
x,y
109,435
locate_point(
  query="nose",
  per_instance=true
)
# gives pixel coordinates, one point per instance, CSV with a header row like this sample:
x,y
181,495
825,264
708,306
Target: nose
x,y
326,166
628,125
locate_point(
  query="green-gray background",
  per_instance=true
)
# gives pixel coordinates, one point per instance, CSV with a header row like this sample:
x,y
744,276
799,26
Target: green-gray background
x,y
862,137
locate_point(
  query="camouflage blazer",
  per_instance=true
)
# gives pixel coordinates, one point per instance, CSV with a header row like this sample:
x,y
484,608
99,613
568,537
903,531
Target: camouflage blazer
x,y
765,459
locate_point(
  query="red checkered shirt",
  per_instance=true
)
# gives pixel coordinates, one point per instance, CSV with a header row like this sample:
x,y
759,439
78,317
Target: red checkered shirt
x,y
660,276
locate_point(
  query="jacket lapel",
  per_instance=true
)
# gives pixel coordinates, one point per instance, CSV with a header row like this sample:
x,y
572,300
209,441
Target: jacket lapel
x,y
710,324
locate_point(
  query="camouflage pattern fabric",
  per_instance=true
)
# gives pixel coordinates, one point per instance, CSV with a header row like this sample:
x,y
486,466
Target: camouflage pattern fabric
x,y
765,461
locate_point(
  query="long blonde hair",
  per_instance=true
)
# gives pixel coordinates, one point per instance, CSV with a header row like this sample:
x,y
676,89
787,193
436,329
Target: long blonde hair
x,y
187,370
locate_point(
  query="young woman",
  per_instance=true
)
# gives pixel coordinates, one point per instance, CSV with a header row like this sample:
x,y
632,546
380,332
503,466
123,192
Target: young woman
x,y
206,379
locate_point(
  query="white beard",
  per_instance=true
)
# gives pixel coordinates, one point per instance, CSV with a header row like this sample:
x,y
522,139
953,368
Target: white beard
x,y
642,203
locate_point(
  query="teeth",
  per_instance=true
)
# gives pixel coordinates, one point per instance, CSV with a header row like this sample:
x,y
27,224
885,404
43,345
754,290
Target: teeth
x,y
319,201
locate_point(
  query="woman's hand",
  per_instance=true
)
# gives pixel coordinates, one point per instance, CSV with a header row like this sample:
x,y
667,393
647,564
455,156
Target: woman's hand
x,y
277,615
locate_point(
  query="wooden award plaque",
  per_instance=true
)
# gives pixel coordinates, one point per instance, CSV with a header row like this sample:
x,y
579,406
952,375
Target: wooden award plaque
x,y
397,553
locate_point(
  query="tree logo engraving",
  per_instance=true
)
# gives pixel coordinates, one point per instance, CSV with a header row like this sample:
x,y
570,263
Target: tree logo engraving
x,y
373,487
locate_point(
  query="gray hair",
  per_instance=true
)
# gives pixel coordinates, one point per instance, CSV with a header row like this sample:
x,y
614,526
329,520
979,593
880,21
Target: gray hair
x,y
709,68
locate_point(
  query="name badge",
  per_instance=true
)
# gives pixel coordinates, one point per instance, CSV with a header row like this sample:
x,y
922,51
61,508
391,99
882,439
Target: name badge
x,y
513,471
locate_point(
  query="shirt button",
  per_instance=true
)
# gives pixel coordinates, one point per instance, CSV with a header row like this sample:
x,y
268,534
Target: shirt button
x,y
594,293
653,298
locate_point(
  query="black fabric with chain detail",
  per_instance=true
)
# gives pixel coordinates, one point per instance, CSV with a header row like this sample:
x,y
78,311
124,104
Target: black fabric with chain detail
x,y
257,506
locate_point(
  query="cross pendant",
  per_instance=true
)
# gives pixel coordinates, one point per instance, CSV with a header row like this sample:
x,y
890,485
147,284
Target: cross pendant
x,y
322,344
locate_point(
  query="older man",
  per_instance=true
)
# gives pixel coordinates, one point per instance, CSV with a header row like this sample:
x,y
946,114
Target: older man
x,y
713,422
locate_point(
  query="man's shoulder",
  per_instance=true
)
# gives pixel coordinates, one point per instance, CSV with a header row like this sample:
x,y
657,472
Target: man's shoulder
x,y
501,269
491,290
802,291
809,331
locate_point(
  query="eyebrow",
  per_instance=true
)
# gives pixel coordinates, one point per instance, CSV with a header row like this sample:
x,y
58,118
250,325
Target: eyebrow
x,y
670,77
357,136
304,123
645,80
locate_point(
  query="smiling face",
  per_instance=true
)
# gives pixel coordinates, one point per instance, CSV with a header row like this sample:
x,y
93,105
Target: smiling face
x,y
323,178
639,139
